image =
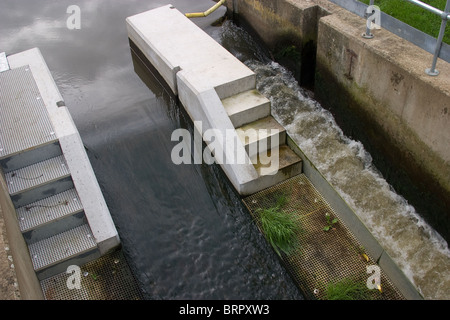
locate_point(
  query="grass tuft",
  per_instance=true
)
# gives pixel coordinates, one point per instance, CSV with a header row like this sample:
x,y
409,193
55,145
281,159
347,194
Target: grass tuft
x,y
347,289
280,228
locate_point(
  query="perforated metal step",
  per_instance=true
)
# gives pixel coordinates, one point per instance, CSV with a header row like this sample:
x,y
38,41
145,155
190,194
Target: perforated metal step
x,y
107,278
36,175
61,247
50,216
24,120
321,257
48,210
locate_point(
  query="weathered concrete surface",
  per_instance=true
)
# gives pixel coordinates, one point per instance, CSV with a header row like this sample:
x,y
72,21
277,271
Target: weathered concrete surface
x,y
28,283
383,96
377,88
9,288
287,28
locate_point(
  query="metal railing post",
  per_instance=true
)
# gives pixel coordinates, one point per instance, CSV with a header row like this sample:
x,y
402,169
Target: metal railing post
x,y
433,71
368,34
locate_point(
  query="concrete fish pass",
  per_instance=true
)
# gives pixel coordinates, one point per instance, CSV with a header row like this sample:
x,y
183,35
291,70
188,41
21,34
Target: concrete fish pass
x,y
234,120
218,91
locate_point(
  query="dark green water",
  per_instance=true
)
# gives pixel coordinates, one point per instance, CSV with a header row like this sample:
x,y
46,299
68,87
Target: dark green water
x,y
184,231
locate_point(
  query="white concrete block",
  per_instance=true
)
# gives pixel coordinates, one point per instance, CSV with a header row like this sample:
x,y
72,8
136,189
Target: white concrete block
x,y
172,42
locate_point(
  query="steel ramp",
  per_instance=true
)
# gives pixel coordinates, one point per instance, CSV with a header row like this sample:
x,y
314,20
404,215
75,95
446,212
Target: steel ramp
x,y
58,203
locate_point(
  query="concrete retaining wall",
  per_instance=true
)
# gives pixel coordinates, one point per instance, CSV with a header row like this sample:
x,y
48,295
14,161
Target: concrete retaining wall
x,y
30,288
377,89
287,28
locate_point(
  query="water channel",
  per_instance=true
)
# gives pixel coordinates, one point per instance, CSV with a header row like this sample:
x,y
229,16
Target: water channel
x,y
184,230
185,233
420,251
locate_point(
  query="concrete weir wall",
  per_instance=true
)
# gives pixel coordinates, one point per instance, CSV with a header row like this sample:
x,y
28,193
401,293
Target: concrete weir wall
x,y
282,25
377,88
200,72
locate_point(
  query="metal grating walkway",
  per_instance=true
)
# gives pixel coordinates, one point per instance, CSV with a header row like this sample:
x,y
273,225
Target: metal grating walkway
x,y
24,121
323,257
107,278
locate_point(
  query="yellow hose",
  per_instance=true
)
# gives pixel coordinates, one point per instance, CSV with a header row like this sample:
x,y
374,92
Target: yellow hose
x,y
207,12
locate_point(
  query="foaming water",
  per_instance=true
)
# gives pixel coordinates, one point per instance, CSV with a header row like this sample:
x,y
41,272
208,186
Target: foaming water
x,y
184,232
418,249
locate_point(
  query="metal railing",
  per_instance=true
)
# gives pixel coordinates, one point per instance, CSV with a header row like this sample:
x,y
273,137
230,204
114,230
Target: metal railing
x,y
445,15
437,47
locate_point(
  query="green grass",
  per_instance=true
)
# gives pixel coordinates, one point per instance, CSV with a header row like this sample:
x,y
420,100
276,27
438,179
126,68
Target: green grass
x,y
415,16
280,228
347,289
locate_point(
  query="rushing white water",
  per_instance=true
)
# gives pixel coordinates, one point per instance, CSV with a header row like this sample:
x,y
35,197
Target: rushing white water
x,y
418,249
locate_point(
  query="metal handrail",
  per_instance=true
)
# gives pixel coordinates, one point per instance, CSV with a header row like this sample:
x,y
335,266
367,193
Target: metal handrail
x,y
445,15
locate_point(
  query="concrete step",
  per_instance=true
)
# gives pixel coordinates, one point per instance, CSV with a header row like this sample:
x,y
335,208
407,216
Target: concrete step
x,y
261,135
246,107
284,164
51,216
38,181
53,255
288,162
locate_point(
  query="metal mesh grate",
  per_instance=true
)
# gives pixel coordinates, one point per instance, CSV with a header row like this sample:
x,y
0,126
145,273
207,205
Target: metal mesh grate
x,y
24,121
323,257
49,209
107,278
37,174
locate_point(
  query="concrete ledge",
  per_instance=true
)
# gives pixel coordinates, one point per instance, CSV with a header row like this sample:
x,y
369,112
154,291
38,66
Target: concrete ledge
x,y
83,176
379,90
391,72
159,32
